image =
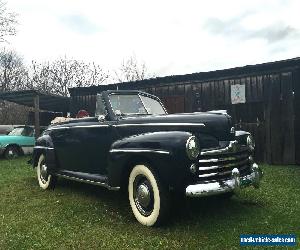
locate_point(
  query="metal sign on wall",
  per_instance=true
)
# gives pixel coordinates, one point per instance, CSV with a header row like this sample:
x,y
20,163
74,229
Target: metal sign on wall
x,y
238,93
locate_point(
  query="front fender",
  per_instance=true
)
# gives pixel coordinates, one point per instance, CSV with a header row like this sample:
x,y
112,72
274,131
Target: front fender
x,y
164,151
44,145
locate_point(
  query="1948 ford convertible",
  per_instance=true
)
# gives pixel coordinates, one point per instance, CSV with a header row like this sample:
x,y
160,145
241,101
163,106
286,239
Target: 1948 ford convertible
x,y
133,143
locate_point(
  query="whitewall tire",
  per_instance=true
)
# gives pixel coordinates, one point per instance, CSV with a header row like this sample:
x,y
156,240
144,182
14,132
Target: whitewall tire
x,y
148,198
46,181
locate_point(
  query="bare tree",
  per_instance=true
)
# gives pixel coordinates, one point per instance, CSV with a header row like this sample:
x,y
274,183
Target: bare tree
x,y
39,77
132,70
13,76
56,77
13,73
7,22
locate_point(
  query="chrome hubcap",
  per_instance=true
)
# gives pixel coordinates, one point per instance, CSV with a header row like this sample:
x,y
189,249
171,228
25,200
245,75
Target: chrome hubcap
x,y
143,195
44,173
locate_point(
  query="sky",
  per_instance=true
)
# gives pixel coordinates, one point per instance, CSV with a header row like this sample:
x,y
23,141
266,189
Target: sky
x,y
171,37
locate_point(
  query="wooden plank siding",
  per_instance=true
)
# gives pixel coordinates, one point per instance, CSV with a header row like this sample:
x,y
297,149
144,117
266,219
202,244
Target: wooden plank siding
x,y
296,86
271,112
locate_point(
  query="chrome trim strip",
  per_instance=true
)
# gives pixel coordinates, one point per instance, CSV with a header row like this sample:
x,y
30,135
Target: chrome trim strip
x,y
233,147
90,126
42,147
132,124
80,126
54,128
139,151
161,124
88,181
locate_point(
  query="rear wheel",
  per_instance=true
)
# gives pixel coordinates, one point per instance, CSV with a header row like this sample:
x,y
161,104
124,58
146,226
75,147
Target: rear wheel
x,y
46,180
149,199
11,152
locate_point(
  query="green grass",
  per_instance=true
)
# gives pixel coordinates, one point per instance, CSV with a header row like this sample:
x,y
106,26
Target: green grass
x,y
80,216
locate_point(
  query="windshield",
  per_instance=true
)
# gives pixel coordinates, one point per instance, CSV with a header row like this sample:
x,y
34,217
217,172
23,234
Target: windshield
x,y
27,131
133,104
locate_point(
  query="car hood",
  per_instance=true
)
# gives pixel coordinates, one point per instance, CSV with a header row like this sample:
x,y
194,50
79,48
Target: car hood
x,y
218,125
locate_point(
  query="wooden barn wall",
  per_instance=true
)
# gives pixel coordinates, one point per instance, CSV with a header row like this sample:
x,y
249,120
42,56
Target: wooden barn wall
x,y
84,101
268,112
296,83
271,112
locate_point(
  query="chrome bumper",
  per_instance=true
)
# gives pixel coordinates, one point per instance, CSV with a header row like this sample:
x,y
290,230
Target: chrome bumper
x,y
219,187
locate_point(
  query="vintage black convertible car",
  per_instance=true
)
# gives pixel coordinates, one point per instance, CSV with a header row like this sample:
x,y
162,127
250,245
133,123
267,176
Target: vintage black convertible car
x,y
133,143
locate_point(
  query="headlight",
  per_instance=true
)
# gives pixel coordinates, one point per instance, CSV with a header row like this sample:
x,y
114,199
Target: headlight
x,y
192,148
250,142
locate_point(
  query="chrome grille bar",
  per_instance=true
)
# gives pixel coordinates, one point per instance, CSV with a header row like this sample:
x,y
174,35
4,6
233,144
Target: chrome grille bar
x,y
229,158
234,164
207,175
228,172
218,163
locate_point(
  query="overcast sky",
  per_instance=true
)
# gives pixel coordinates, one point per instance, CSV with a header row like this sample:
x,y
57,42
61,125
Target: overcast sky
x,y
171,37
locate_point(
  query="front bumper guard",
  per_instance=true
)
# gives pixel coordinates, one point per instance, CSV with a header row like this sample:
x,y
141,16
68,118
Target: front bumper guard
x,y
219,187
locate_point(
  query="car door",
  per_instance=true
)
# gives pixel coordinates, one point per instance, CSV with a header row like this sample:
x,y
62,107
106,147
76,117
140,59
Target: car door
x,y
27,140
62,146
87,147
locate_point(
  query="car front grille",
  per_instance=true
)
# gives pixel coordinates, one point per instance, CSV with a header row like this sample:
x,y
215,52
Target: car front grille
x,y
218,164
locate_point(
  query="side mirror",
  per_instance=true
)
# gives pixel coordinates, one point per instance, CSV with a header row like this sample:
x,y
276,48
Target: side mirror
x,y
101,118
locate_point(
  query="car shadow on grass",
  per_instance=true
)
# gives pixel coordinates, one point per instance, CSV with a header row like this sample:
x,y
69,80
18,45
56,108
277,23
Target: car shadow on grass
x,y
188,211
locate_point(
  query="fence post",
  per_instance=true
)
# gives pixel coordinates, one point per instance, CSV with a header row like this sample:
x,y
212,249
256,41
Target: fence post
x,y
37,115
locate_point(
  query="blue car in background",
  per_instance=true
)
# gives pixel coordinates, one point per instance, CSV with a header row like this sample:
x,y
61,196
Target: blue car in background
x,y
20,141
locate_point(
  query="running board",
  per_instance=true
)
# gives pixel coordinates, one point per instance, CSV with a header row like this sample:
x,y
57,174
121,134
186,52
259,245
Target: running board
x,y
93,179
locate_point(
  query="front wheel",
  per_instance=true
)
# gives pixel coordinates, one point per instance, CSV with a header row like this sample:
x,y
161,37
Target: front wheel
x,y
149,199
46,180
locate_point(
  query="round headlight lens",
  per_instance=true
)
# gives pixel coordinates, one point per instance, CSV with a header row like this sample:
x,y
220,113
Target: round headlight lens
x,y
250,142
192,148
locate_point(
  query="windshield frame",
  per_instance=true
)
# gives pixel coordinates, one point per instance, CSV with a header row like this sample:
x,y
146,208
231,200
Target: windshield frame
x,y
139,94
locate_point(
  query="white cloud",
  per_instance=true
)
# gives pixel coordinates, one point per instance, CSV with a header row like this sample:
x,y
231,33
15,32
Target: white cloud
x,y
171,37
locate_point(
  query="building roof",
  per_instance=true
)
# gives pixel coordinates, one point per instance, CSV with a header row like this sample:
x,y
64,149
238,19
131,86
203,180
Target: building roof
x,y
47,102
200,76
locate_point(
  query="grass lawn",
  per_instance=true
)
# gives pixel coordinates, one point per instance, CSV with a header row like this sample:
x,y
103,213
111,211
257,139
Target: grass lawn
x,y
81,216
